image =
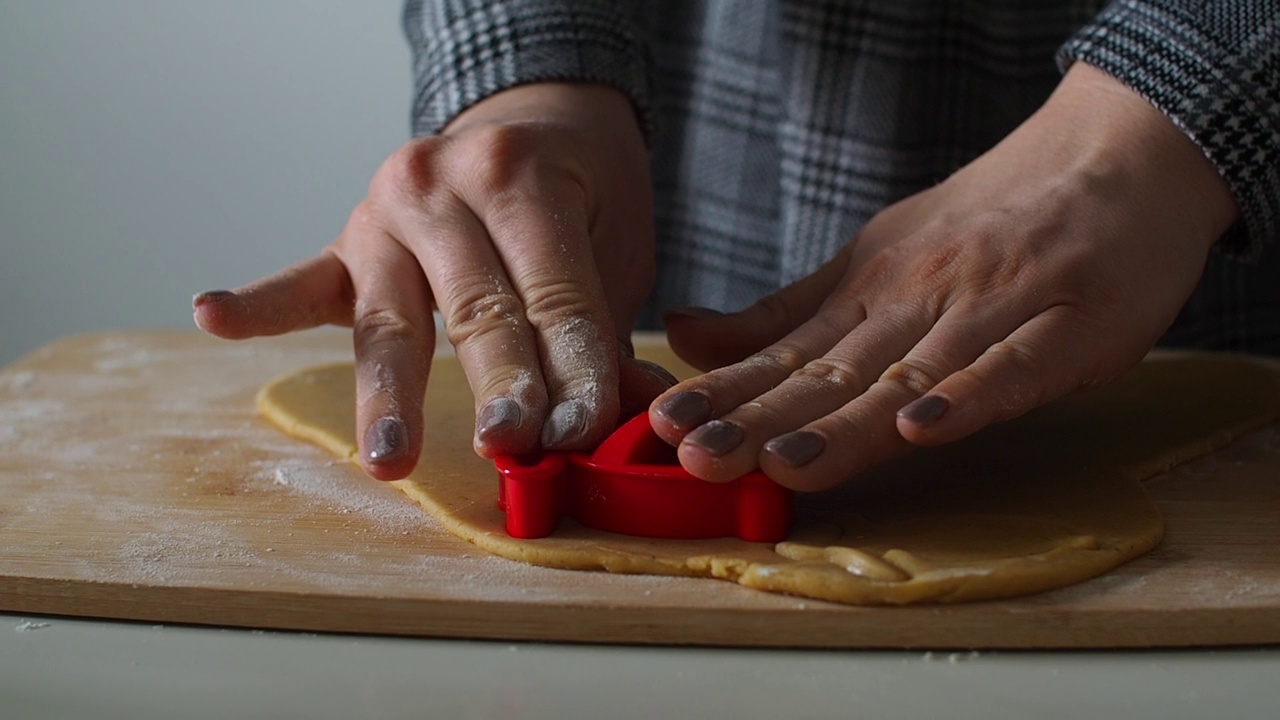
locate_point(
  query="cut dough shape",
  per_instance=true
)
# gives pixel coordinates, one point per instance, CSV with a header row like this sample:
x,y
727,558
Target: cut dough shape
x,y
1045,501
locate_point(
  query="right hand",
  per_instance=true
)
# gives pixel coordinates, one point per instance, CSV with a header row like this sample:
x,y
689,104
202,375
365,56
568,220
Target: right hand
x,y
506,222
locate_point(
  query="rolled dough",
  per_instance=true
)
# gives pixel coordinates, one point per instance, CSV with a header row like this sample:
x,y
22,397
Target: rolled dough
x,y
1045,501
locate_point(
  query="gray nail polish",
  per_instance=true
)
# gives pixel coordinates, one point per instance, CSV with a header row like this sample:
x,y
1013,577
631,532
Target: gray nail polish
x,y
796,448
717,437
211,296
499,415
685,410
565,424
926,410
385,439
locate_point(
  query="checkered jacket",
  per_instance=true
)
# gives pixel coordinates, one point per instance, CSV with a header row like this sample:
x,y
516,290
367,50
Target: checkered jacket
x,y
779,127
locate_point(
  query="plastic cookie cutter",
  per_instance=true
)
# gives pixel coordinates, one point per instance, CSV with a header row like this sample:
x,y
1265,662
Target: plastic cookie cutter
x,y
634,485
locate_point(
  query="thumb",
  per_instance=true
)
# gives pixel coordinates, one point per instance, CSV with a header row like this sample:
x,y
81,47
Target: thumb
x,y
707,339
639,382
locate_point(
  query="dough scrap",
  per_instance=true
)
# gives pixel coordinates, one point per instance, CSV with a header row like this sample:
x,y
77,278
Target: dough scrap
x,y
1051,499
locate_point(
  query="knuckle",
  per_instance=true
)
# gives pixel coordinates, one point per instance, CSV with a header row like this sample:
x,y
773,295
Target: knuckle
x,y
522,172
482,314
941,262
831,373
912,376
1019,370
973,263
361,215
558,301
497,156
780,360
413,170
385,326
504,141
366,226
1017,356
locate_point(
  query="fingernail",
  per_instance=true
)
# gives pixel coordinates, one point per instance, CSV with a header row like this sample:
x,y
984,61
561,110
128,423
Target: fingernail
x,y
926,410
716,437
692,313
658,371
565,424
385,439
685,410
211,296
499,415
796,448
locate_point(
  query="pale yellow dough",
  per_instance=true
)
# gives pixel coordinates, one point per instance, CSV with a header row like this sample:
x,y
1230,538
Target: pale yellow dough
x,y
1045,501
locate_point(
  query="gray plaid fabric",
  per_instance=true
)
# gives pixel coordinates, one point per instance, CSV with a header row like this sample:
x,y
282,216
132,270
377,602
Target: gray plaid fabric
x,y
780,127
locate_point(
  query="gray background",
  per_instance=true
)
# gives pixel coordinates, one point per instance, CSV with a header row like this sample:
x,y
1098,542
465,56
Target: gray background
x,y
153,149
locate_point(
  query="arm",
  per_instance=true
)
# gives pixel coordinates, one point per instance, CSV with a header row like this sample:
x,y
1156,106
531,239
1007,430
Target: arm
x,y
1213,69
467,50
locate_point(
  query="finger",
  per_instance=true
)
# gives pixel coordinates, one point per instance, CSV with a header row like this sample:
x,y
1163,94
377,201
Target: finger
x,y
730,446
394,337
963,334
639,382
707,339
486,322
837,446
543,240
696,401
1050,356
313,292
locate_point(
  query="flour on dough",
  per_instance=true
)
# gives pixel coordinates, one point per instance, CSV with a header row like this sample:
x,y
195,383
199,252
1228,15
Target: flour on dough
x,y
1045,501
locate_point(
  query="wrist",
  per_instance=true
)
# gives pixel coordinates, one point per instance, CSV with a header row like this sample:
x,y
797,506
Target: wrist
x,y
560,103
1146,161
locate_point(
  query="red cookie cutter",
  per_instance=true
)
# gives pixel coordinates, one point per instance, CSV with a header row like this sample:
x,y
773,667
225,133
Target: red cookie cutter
x,y
634,485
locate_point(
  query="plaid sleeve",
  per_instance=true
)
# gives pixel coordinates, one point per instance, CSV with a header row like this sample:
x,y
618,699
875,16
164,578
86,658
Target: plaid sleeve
x,y
466,50
1214,69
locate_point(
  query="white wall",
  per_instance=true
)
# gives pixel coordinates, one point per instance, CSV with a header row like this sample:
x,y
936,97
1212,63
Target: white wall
x,y
150,149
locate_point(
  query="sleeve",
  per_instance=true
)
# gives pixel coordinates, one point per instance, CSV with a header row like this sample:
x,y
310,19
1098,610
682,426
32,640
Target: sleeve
x,y
1213,67
465,50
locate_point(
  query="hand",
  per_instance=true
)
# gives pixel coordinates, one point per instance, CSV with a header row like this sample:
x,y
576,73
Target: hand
x,y
506,222
1050,264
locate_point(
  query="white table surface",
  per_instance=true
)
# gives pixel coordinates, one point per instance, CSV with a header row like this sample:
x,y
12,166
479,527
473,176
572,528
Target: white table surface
x,y
53,667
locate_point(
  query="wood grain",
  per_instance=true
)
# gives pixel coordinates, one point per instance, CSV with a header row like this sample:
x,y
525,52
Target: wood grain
x,y
137,483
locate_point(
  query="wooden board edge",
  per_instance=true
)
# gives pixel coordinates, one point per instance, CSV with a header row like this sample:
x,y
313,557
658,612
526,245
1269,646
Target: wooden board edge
x,y
962,627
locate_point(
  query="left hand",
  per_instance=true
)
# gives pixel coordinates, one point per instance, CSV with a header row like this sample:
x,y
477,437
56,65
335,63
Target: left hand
x,y
1052,263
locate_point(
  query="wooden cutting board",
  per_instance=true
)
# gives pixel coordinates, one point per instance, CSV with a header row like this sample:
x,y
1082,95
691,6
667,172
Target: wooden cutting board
x,y
136,482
